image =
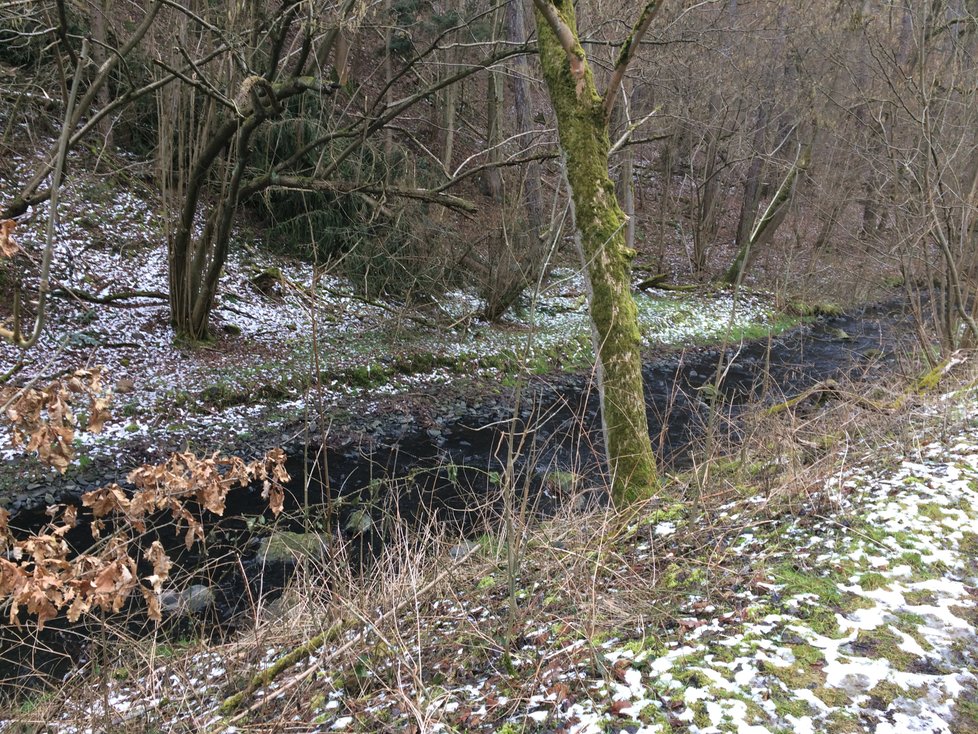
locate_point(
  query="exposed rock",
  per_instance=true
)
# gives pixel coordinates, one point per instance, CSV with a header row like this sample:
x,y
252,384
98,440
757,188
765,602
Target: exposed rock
x,y
195,599
460,550
286,547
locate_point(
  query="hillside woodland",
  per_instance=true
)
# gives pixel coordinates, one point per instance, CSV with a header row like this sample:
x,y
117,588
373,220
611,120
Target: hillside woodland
x,y
526,366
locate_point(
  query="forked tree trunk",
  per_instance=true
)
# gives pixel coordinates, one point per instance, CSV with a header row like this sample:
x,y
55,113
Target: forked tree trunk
x,y
772,218
520,257
582,125
752,182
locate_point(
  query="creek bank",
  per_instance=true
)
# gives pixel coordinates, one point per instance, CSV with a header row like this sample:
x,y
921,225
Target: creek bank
x,y
436,422
439,454
439,457
858,611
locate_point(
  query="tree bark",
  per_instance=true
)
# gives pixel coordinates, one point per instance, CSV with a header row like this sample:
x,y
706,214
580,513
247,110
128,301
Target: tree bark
x,y
582,125
98,56
494,115
626,174
752,182
516,33
705,204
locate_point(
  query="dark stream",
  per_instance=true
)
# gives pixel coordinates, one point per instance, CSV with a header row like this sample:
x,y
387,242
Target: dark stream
x,y
450,471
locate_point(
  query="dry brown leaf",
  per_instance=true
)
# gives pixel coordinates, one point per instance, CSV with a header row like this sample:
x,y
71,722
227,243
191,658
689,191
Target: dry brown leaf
x,y
152,600
98,414
79,606
105,500
275,494
13,578
157,556
617,707
113,585
41,606
36,573
44,421
8,248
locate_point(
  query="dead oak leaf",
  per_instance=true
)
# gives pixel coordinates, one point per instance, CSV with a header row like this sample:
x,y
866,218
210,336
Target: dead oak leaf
x,y
618,707
157,556
106,499
152,599
273,492
98,414
8,248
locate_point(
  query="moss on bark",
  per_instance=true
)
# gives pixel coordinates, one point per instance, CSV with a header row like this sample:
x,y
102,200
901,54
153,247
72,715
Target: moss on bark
x,y
583,130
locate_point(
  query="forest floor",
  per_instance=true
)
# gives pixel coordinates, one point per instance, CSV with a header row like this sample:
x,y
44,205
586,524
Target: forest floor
x,y
851,606
285,336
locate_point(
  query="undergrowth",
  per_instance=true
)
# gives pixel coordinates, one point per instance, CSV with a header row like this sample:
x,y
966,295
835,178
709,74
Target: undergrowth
x,y
432,614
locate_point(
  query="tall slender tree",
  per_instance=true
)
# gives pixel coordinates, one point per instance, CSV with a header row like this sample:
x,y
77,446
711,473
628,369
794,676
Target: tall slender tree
x,y
583,120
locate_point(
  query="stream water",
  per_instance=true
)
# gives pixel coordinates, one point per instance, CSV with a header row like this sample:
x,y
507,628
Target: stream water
x,y
451,470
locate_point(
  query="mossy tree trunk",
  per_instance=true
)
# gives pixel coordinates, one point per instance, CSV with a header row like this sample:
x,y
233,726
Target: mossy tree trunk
x,y
583,127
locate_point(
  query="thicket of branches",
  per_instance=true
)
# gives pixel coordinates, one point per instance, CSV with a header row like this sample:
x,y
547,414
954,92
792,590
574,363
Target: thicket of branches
x,y
385,117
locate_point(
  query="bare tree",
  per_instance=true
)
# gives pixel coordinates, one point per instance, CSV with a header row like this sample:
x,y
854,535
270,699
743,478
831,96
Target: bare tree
x,y
196,258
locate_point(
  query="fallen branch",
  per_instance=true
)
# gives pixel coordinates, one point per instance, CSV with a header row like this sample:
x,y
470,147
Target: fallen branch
x,y
831,387
310,183
932,377
111,299
286,661
825,386
18,366
657,282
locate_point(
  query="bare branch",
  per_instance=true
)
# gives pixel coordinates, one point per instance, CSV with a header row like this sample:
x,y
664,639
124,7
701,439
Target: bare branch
x,y
369,127
626,136
309,183
15,335
564,32
201,83
627,53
